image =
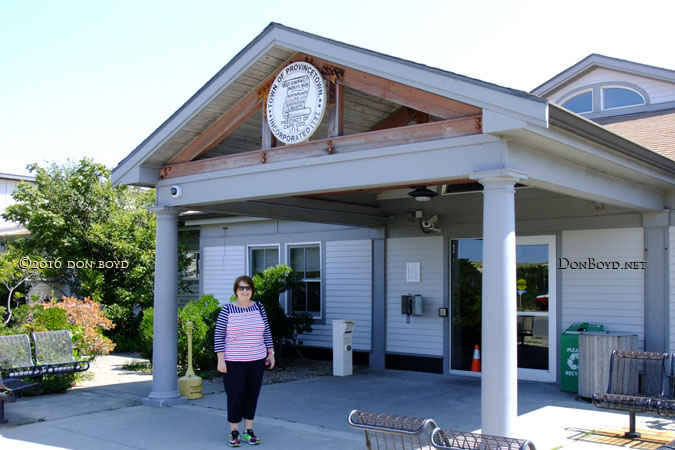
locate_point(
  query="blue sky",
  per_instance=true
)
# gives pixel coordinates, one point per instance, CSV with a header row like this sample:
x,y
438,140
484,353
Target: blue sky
x,y
94,78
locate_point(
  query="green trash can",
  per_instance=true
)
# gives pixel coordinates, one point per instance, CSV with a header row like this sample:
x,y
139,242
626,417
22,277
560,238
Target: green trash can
x,y
569,354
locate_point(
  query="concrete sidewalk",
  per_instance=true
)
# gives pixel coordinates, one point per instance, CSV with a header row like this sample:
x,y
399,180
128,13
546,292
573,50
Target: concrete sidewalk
x,y
106,413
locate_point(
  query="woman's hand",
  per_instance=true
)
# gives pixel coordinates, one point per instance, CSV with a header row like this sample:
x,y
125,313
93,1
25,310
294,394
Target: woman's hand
x,y
269,361
222,367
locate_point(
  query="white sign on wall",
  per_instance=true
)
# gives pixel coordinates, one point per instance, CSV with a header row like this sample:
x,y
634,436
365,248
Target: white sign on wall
x,y
413,272
296,103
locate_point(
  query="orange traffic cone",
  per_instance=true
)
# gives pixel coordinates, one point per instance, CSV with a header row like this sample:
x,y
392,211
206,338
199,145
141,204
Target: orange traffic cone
x,y
475,364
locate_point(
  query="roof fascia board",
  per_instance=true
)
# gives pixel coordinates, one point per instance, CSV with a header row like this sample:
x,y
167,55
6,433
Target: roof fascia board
x,y
447,84
579,126
570,178
561,144
202,98
9,176
600,61
411,164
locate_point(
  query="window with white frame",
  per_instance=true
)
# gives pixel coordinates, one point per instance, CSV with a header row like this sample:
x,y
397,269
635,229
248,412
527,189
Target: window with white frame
x,y
620,97
603,97
580,103
305,260
261,258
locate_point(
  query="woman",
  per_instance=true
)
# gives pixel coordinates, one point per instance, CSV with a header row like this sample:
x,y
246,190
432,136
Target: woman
x,y
243,344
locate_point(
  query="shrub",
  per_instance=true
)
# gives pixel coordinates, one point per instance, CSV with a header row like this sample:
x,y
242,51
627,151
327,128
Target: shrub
x,y
145,332
126,320
87,321
203,314
268,287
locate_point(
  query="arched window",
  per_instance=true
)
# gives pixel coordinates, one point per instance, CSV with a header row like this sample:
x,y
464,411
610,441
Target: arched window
x,y
580,103
618,97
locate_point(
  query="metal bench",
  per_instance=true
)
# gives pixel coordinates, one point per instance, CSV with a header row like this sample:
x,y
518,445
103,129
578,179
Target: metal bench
x,y
666,404
635,384
459,440
15,360
54,355
669,446
386,431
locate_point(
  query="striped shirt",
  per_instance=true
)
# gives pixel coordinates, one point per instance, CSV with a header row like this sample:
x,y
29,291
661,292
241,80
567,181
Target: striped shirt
x,y
243,334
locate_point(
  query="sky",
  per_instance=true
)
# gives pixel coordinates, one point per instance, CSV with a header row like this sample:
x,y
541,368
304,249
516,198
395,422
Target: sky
x,y
95,78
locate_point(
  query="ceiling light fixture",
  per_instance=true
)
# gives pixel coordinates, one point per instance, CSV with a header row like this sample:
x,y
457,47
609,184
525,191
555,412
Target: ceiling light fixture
x,y
421,193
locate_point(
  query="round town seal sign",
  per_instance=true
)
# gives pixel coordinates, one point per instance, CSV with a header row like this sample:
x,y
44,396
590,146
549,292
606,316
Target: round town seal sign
x,y
296,103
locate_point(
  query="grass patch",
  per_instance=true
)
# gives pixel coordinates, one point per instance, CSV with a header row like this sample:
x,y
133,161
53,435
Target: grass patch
x,y
138,366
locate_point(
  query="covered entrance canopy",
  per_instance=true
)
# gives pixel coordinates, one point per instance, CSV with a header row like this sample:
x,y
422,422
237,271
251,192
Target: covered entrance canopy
x,y
390,124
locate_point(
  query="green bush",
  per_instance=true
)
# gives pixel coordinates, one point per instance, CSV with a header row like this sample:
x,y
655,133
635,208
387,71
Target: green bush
x,y
203,314
268,287
145,332
125,333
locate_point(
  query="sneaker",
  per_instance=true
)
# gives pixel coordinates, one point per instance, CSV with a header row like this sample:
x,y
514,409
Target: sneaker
x,y
250,437
234,439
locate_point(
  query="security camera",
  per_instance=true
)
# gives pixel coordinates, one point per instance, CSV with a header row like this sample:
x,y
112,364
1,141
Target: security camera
x,y
176,191
430,223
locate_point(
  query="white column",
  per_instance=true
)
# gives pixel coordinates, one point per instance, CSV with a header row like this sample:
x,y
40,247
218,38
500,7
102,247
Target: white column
x,y
165,330
499,356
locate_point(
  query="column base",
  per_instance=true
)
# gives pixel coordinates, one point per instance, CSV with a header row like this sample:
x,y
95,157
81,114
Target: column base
x,y
164,402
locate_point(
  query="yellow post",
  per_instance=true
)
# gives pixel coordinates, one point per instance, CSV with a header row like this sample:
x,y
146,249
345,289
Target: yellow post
x,y
190,386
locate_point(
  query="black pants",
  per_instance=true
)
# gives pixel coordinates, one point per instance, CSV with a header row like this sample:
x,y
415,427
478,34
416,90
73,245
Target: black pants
x,y
242,385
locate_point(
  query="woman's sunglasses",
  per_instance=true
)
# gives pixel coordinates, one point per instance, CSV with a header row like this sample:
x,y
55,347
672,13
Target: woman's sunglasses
x,y
244,288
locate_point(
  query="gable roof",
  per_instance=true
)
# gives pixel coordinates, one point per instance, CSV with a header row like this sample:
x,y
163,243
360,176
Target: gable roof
x,y
265,54
595,60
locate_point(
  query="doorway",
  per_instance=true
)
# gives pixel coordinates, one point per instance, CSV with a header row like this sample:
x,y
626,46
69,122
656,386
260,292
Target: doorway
x,y
535,274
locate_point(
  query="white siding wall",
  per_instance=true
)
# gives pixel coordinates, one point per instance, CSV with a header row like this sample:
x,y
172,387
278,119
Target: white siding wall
x,y
658,91
348,291
6,189
424,334
221,266
671,275
614,298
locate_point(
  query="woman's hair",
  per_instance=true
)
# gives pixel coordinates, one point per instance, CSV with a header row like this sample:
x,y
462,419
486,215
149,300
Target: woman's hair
x,y
246,280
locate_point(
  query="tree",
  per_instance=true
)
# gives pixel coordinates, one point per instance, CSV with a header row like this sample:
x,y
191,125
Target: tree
x,y
96,238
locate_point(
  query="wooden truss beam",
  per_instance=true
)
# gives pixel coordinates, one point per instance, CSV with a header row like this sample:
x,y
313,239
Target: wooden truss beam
x,y
231,120
375,139
410,97
395,92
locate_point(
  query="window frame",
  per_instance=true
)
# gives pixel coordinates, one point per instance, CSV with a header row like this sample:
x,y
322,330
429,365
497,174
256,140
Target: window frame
x,y
249,255
320,280
198,266
612,86
577,94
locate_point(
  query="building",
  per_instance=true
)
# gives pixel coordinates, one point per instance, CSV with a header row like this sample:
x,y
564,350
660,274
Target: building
x,y
420,182
8,183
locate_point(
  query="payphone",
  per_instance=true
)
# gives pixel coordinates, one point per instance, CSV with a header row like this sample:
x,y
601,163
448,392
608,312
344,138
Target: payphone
x,y
411,305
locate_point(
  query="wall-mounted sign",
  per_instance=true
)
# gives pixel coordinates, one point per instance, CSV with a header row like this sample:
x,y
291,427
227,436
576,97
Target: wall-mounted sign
x,y
296,103
413,272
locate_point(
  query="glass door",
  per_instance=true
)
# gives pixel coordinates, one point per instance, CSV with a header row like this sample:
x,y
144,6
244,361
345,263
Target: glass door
x,y
535,274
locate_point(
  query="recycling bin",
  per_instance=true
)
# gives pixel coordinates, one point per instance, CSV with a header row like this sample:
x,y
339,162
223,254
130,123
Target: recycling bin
x,y
569,354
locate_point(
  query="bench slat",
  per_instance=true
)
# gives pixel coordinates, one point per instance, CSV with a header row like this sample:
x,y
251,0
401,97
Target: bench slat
x,y
459,440
15,351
